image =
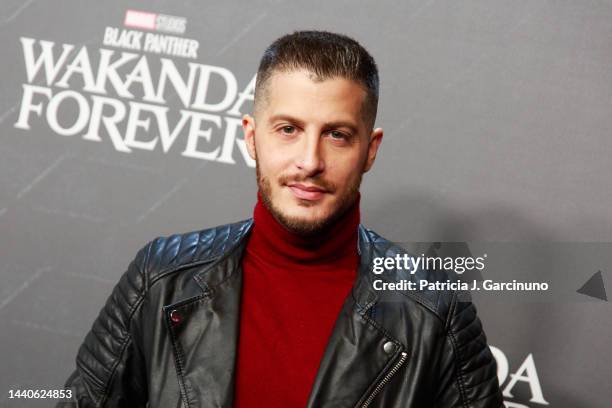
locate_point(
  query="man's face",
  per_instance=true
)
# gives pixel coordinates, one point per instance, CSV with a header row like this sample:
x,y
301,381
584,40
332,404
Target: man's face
x,y
311,147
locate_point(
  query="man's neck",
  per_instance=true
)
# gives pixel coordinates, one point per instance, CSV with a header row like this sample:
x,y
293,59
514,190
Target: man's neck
x,y
337,243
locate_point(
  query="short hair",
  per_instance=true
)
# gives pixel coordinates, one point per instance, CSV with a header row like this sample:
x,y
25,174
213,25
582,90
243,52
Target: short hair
x,y
326,55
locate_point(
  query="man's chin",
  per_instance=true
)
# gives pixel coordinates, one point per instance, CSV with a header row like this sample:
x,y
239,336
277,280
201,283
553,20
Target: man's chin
x,y
302,224
305,229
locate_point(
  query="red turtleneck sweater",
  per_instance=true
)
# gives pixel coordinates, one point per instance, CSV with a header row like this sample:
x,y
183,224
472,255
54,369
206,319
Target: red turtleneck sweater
x,y
293,289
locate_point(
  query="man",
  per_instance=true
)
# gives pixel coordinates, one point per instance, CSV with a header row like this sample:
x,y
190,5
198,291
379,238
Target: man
x,y
280,310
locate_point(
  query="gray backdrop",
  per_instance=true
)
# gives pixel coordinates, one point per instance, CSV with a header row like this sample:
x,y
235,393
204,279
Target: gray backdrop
x,y
497,118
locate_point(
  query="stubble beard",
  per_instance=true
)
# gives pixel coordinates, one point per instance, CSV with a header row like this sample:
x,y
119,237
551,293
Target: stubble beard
x,y
301,226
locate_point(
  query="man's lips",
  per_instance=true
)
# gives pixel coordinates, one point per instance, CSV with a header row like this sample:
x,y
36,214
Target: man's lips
x,y
306,192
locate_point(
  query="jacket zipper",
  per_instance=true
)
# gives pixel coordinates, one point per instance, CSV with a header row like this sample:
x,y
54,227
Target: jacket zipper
x,y
385,380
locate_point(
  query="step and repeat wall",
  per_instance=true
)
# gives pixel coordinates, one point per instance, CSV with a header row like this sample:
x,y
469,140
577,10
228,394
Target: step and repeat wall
x,y
120,122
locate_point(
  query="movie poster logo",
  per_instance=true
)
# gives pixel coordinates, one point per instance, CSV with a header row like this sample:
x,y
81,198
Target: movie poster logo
x,y
523,379
142,89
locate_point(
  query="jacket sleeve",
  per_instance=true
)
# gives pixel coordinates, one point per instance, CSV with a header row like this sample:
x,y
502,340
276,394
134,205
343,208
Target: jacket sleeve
x,y
110,368
468,372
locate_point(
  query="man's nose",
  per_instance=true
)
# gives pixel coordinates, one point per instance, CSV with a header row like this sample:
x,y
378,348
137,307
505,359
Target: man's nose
x,y
309,157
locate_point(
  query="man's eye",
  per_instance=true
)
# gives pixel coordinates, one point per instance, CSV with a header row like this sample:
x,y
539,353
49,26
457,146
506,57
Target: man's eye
x,y
288,130
337,135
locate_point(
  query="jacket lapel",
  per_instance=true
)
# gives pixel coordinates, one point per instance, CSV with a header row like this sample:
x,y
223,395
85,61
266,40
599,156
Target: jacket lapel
x,y
204,333
359,352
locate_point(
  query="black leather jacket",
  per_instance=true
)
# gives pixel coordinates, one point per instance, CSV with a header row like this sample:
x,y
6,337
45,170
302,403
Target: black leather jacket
x,y
167,335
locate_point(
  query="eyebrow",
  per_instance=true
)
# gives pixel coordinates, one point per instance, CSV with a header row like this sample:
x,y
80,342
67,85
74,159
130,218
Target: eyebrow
x,y
301,123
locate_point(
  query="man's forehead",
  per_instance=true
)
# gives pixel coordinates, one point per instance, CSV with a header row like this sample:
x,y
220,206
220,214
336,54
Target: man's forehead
x,y
305,76
302,88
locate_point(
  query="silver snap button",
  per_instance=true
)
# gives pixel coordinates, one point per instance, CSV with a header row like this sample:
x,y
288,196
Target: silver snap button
x,y
389,347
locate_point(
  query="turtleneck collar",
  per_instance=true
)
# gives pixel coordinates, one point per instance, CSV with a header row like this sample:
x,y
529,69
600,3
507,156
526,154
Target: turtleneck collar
x,y
335,246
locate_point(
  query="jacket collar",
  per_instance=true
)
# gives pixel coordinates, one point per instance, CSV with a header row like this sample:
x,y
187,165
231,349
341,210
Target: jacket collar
x,y
210,276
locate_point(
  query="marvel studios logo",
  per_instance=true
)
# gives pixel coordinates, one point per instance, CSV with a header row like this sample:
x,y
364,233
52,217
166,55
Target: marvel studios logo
x,y
155,22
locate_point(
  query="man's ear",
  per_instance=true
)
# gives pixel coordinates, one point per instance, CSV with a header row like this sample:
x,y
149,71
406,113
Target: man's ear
x,y
248,128
375,140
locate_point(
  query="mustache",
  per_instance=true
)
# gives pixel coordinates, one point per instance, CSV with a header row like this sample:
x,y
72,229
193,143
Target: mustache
x,y
315,182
